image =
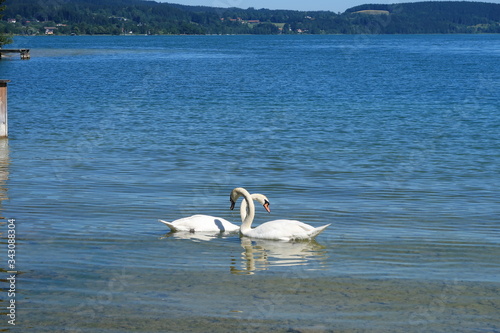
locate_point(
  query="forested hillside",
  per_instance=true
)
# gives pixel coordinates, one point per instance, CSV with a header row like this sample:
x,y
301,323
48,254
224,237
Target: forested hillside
x,y
31,17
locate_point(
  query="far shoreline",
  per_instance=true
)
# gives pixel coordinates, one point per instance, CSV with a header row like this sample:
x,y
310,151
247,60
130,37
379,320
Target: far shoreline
x,y
134,35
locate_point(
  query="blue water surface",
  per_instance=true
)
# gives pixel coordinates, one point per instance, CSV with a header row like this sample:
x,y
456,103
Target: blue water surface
x,y
392,139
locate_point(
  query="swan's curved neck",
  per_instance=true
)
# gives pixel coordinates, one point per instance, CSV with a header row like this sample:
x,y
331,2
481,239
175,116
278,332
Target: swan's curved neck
x,y
243,210
247,213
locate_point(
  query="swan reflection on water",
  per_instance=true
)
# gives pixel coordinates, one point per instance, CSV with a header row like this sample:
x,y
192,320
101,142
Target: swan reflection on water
x,y
198,236
261,254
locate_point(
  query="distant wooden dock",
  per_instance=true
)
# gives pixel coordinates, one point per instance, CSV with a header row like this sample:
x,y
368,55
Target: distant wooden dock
x,y
25,53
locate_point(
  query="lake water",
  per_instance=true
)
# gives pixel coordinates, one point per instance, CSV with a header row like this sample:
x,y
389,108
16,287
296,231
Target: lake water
x,y
395,140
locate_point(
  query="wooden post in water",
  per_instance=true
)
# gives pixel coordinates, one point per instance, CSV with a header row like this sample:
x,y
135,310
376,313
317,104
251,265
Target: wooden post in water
x,y
3,109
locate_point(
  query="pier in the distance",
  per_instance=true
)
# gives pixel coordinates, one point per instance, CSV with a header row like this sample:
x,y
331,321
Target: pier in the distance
x,y
25,53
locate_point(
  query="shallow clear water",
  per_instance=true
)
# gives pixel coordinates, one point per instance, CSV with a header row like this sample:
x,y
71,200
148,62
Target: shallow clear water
x,y
392,139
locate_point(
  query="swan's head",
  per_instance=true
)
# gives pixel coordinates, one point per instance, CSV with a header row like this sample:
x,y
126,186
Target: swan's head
x,y
239,191
235,194
263,200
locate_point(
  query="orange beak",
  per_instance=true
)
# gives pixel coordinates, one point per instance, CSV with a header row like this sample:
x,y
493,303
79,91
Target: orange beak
x,y
266,206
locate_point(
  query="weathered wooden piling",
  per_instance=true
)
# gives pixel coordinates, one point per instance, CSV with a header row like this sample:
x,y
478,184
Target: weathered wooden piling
x,y
3,109
25,54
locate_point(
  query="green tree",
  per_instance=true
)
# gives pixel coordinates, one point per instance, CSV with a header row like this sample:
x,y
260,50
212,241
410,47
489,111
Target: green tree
x,y
141,17
3,39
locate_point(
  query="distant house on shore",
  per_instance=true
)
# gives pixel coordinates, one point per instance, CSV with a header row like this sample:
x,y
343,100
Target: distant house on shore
x,y
240,20
49,30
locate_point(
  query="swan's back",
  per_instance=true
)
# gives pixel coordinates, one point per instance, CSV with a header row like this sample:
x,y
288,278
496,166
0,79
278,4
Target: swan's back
x,y
201,223
285,230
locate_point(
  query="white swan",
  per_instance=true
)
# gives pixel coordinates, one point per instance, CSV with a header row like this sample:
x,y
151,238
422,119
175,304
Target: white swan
x,y
203,223
285,230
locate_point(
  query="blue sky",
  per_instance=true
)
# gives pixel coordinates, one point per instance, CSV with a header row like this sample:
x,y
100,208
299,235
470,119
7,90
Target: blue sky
x,y
332,5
